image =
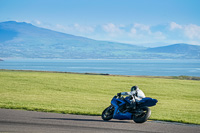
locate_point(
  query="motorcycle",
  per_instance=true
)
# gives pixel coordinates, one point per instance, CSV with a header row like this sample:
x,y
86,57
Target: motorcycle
x,y
119,109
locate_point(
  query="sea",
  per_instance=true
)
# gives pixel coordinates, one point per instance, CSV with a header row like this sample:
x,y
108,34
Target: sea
x,y
140,67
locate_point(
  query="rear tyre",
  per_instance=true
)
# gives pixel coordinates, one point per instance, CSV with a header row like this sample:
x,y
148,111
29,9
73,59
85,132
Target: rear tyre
x,y
142,115
107,114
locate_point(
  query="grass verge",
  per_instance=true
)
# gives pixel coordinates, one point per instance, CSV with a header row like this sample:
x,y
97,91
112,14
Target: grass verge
x,y
178,100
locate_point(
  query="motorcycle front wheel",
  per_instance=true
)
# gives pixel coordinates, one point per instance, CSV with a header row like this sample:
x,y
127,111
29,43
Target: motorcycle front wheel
x,y
142,115
107,114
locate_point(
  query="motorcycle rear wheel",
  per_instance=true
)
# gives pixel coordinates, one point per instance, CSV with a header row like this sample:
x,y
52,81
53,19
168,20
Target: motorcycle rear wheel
x,y
107,114
143,116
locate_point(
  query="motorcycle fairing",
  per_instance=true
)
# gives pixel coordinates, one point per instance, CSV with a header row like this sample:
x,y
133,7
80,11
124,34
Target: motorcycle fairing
x,y
117,114
147,101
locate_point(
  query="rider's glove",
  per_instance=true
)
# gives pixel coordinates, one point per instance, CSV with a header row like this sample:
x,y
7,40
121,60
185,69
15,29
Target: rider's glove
x,y
119,94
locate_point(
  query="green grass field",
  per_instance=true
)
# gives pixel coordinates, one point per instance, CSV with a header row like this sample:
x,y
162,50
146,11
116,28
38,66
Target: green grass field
x,y
178,100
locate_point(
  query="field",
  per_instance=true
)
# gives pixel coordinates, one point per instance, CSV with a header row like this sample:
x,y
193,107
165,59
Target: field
x,y
178,100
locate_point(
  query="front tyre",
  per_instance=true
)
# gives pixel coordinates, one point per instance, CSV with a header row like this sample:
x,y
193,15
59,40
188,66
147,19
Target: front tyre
x,y
107,114
142,115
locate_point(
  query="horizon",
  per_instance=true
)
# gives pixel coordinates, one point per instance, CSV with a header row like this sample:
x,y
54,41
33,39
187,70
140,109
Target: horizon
x,y
144,23
101,40
94,39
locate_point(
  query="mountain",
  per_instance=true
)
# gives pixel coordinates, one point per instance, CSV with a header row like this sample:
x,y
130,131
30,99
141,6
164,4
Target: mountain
x,y
179,50
24,40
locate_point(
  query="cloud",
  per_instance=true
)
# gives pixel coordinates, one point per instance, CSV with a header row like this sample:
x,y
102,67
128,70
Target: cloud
x,y
192,31
140,30
59,26
133,31
112,29
142,27
136,33
159,35
143,32
37,22
83,29
75,29
174,25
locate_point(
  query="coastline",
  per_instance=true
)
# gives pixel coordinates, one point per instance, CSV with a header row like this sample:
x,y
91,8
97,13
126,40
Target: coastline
x,y
114,67
181,77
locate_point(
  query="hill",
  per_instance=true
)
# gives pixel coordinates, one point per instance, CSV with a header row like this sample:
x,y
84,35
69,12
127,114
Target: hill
x,y
182,50
24,40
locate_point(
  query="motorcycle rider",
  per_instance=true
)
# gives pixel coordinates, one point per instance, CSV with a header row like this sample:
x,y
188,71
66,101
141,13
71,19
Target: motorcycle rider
x,y
135,92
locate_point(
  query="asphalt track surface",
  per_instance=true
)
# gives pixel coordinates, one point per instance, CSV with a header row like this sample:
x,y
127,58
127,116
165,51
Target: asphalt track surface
x,y
31,122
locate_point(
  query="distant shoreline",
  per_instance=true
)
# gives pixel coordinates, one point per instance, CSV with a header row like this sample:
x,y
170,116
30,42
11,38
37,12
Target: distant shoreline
x,y
60,59
181,77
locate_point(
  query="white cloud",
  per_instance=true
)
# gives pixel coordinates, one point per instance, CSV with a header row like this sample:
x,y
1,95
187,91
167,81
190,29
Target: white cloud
x,y
83,29
136,33
174,25
193,42
75,29
192,31
59,26
143,33
142,27
159,35
133,31
140,31
37,22
111,28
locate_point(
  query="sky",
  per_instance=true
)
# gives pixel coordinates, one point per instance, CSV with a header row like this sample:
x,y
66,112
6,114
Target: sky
x,y
141,22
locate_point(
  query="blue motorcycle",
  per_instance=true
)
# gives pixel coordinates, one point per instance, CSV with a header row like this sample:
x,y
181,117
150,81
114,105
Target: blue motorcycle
x,y
119,109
